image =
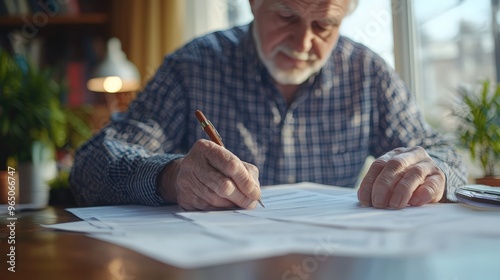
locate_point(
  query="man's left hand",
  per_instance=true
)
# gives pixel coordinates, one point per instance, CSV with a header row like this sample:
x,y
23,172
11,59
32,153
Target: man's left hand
x,y
401,177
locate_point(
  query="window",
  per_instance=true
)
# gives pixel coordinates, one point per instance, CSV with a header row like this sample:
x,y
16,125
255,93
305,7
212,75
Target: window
x,y
238,12
371,25
455,47
204,16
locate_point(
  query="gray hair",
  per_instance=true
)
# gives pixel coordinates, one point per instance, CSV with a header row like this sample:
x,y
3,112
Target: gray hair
x,y
352,6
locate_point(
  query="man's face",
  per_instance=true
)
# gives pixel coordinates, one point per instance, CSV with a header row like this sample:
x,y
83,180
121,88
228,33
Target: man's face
x,y
294,38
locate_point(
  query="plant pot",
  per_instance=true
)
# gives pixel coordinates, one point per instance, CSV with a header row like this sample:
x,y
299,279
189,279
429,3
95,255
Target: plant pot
x,y
493,181
33,187
34,176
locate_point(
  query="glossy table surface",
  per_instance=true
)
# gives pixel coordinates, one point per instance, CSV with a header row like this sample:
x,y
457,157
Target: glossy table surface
x,y
49,254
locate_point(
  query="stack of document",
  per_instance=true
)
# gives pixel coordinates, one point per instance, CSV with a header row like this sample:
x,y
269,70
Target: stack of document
x,y
480,197
300,218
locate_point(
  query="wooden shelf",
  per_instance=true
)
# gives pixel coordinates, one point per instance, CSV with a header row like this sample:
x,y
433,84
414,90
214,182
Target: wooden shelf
x,y
93,18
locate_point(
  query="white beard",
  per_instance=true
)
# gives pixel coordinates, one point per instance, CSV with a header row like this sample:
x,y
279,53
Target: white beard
x,y
292,76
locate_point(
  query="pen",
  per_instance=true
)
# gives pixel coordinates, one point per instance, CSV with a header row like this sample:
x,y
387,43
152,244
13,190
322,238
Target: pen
x,y
209,128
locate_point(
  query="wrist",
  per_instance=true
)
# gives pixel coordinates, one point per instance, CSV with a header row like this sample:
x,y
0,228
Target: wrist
x,y
166,181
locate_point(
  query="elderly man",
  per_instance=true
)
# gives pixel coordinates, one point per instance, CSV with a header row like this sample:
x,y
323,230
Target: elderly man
x,y
293,101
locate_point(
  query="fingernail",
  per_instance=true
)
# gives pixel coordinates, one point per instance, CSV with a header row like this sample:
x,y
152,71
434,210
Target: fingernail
x,y
365,198
396,201
415,200
378,200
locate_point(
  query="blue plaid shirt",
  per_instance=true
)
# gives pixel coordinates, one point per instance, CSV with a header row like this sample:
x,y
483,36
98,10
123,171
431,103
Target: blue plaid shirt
x,y
356,106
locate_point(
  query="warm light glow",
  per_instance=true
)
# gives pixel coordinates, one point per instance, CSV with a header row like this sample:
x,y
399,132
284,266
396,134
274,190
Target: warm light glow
x,y
98,85
112,84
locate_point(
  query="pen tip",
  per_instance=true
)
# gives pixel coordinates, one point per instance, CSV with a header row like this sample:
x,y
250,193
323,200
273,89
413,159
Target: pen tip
x,y
261,204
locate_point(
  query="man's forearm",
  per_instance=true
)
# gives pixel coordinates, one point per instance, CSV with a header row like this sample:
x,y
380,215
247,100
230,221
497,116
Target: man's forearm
x,y
114,172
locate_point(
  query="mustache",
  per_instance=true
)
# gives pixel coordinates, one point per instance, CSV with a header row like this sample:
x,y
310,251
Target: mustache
x,y
303,56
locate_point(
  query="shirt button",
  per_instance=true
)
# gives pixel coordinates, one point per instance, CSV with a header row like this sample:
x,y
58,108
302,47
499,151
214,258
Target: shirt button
x,y
318,92
257,78
291,179
335,148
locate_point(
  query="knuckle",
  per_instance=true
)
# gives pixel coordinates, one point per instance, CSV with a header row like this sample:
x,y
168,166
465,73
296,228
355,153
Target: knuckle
x,y
420,150
396,163
400,150
232,165
225,188
418,172
252,169
380,162
200,144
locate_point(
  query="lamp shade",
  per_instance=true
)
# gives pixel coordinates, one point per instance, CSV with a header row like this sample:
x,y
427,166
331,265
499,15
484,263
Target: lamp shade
x,y
115,73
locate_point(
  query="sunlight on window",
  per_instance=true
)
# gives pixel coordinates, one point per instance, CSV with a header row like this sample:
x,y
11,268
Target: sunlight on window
x,y
371,25
456,48
239,12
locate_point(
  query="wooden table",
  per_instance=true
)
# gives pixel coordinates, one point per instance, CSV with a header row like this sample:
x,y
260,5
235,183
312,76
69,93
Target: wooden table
x,y
48,254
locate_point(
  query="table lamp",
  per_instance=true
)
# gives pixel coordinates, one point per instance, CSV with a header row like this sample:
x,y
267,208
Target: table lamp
x,y
116,76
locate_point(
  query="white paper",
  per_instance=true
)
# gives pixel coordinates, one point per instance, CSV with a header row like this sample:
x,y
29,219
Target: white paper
x,y
301,218
80,226
345,211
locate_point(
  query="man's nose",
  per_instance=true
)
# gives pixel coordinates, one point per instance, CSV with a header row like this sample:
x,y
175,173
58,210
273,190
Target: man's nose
x,y
302,38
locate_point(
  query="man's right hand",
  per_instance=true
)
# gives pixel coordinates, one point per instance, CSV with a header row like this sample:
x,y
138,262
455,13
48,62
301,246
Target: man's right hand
x,y
210,177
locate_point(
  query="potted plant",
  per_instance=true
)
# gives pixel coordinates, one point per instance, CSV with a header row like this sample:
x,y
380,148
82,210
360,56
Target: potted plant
x,y
78,131
478,127
31,125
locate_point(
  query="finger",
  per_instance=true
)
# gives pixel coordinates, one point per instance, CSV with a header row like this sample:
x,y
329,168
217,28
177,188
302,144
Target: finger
x,y
224,188
431,190
232,167
413,177
392,173
210,196
253,171
212,160
365,188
